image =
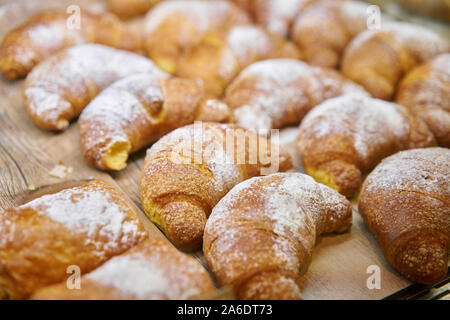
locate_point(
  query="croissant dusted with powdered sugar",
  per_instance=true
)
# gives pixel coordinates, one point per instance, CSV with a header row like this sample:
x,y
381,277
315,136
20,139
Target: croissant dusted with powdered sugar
x,y
138,110
426,92
347,136
323,30
152,270
190,169
378,59
262,233
279,92
275,15
219,57
172,27
59,88
48,32
83,226
405,203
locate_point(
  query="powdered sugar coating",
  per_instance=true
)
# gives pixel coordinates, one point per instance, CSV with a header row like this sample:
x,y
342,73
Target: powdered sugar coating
x,y
277,15
155,272
93,212
203,144
72,75
51,37
248,43
426,171
288,142
354,15
274,89
203,15
370,122
284,212
423,42
250,117
278,92
117,113
49,31
405,202
217,159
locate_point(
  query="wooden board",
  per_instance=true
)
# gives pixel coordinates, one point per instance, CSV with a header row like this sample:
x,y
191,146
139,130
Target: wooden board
x,y
338,269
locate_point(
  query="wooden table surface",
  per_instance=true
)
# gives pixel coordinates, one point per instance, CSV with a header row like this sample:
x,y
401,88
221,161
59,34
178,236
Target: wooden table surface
x,y
338,269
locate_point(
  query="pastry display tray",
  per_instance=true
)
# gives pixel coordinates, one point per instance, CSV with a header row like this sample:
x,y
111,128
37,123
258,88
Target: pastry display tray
x,y
35,162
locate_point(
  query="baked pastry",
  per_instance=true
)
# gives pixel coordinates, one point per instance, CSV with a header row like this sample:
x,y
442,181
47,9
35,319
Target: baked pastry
x,y
219,58
153,269
347,136
82,226
324,29
138,110
426,92
175,26
47,32
279,92
275,15
262,233
378,59
59,88
434,8
190,169
405,203
126,9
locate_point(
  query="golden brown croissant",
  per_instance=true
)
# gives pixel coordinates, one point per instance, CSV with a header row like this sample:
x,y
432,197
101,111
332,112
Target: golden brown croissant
x,y
153,269
172,27
219,58
378,59
82,226
48,32
136,111
426,92
126,9
405,202
347,136
189,170
279,92
275,15
324,29
262,233
59,88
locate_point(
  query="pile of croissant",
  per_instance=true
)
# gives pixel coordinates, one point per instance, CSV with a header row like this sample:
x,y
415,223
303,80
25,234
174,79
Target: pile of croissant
x,y
373,108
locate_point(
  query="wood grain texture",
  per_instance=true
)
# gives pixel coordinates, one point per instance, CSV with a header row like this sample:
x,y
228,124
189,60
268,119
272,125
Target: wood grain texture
x,y
338,269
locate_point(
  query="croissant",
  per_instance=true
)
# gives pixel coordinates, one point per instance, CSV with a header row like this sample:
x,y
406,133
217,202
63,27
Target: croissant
x,y
153,269
58,89
189,170
378,59
48,32
126,9
136,111
219,58
405,203
426,92
324,29
279,92
347,136
275,15
262,233
172,27
83,226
